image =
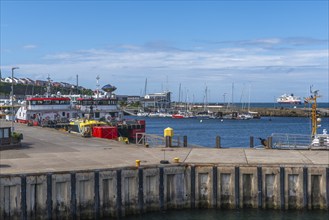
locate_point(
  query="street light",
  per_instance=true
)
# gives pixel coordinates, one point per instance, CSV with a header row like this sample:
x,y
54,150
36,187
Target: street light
x,y
12,97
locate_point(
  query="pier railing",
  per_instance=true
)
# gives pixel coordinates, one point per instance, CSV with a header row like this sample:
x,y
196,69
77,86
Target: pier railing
x,y
153,140
150,140
291,141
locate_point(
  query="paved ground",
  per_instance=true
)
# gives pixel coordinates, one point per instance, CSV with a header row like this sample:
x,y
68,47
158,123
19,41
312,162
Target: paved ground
x,y
50,150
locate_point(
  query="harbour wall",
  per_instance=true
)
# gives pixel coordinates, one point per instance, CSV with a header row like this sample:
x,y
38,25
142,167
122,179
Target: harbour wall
x,y
95,194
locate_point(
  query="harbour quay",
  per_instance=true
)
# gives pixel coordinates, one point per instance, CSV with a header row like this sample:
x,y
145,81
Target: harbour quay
x,y
56,174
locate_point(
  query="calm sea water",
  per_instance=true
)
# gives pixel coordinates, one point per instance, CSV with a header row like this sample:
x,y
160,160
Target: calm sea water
x,y
233,133
276,105
241,214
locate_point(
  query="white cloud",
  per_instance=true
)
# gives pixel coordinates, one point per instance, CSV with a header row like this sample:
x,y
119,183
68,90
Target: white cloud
x,y
29,46
127,66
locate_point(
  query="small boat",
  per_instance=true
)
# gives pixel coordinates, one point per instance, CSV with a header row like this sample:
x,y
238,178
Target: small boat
x,y
130,129
178,116
289,99
245,116
321,141
84,127
182,114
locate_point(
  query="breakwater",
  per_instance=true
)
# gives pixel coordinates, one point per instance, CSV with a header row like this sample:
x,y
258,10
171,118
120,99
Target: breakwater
x,y
290,112
134,190
278,111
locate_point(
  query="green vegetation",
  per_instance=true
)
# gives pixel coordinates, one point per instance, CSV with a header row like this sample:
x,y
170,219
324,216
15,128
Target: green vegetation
x,y
17,137
135,104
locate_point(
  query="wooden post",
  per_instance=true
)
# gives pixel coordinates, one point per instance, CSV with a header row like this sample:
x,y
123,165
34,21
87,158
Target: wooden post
x,y
269,142
252,142
218,142
185,141
168,141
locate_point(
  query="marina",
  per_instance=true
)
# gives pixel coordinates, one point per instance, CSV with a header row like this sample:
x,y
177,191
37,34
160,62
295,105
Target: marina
x,y
166,110
81,158
126,167
78,156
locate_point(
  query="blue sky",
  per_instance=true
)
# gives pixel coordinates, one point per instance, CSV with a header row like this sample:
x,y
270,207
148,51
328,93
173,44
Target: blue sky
x,y
271,47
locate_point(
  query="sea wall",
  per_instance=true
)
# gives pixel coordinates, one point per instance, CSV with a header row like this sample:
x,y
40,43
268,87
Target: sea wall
x,y
133,190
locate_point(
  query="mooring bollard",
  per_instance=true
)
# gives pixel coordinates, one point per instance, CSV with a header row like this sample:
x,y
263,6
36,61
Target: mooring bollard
x,y
269,142
252,142
168,141
185,141
168,133
218,142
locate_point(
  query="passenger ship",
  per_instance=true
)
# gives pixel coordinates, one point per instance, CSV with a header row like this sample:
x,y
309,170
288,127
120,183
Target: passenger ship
x,y
289,99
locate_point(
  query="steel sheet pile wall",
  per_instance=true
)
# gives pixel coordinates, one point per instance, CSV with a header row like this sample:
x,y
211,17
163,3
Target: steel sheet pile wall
x,y
104,193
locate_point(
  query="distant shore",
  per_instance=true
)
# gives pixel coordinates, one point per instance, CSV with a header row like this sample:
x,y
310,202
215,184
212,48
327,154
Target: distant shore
x,y
290,112
279,111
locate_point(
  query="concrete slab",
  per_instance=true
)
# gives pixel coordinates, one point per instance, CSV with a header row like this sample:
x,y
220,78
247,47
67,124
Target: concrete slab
x,y
218,156
50,150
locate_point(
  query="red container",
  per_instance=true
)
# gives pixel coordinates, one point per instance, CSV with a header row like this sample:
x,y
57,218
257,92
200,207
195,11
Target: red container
x,y
105,132
97,132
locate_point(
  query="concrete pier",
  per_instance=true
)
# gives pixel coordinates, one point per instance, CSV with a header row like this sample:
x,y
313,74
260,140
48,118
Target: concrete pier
x,y
65,176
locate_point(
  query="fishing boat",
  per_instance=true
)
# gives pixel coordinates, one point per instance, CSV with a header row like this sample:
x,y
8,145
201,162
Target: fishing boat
x,y
289,99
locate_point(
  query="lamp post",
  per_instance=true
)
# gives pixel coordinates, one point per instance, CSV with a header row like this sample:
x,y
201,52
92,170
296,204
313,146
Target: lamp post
x,y
12,97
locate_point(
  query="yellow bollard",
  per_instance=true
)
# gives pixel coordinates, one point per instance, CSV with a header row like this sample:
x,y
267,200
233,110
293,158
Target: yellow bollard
x,y
176,160
138,163
168,134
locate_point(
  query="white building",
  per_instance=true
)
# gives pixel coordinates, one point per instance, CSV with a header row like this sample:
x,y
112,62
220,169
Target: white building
x,y
161,100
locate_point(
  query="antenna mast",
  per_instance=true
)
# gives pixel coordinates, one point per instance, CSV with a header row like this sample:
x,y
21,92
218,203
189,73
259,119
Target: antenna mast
x,y
312,98
145,87
97,86
77,83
